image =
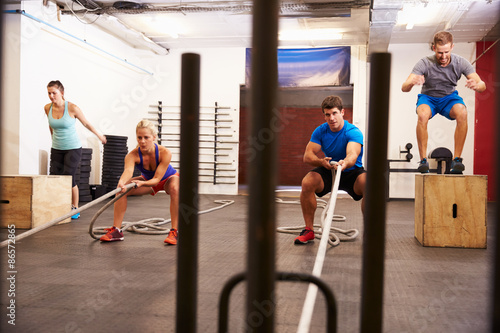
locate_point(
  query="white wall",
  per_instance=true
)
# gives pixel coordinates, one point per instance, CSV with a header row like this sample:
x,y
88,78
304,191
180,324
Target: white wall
x,y
112,94
359,75
403,119
93,80
10,93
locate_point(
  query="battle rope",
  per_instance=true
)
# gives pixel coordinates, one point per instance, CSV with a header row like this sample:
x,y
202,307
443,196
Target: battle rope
x,y
147,226
73,212
327,237
333,239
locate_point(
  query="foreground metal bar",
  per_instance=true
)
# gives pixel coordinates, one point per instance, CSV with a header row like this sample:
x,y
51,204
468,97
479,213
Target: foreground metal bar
x,y
187,252
495,301
280,276
262,168
2,70
375,198
224,300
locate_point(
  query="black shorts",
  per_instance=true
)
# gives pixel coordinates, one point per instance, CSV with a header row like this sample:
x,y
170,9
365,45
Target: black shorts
x,y
65,162
347,180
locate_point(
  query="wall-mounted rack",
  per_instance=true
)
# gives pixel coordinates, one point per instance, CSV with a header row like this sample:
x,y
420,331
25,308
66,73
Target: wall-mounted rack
x,y
218,140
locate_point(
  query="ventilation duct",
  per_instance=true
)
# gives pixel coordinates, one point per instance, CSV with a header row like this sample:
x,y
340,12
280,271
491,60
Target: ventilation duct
x,y
323,9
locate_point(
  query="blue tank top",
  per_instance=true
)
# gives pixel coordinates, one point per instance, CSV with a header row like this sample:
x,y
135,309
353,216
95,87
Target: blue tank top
x,y
64,136
148,174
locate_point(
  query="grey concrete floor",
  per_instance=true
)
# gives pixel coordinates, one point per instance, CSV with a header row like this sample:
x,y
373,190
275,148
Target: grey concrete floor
x,y
68,282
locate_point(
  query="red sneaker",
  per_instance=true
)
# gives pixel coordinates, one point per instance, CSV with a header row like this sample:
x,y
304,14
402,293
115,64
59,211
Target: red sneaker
x,y
306,236
172,237
113,234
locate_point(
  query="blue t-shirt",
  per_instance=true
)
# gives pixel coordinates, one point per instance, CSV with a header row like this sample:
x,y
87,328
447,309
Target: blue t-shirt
x,y
334,144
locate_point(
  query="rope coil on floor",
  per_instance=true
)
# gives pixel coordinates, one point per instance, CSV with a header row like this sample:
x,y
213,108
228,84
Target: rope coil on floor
x,y
333,239
150,226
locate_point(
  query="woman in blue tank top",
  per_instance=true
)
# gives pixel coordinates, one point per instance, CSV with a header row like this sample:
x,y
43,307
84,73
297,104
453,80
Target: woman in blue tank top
x,y
156,175
66,151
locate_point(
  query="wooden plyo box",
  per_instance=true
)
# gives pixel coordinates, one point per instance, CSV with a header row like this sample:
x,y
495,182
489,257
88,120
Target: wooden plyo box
x,y
30,201
450,210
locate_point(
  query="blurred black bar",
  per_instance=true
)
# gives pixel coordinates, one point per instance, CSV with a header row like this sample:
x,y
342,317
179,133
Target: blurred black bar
x,y
224,301
495,303
187,252
374,214
331,317
280,276
262,168
2,7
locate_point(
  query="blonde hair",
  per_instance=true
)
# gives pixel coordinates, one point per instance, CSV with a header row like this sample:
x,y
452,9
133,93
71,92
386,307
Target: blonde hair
x,y
149,125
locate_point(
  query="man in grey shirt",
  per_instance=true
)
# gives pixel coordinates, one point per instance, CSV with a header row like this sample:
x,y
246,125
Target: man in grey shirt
x,y
438,75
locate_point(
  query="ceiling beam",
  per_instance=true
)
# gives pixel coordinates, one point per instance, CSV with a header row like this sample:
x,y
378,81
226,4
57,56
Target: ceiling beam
x,y
383,17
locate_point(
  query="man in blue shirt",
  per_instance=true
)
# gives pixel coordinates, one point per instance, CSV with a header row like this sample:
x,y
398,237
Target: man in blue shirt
x,y
438,75
342,143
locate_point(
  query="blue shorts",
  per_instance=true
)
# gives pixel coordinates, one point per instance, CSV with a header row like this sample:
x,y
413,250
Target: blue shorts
x,y
441,105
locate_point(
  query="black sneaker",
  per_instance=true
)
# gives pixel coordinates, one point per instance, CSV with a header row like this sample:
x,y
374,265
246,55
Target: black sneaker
x,y
457,166
423,166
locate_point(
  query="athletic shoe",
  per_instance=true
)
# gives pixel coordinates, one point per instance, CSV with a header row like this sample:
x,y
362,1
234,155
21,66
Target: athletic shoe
x,y
113,234
423,166
172,237
457,166
77,215
307,235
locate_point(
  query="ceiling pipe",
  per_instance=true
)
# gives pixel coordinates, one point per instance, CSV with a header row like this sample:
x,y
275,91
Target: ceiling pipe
x,y
112,25
91,12
333,9
383,18
117,28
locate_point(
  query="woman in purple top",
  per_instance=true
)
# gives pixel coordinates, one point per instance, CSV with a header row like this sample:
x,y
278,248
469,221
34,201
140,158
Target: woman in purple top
x,y
156,175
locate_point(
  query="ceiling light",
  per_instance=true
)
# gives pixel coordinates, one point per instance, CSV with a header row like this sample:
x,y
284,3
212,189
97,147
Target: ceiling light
x,y
162,25
312,34
421,14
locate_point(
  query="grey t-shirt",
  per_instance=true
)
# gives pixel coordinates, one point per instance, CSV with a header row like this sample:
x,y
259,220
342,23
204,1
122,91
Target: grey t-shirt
x,y
441,81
